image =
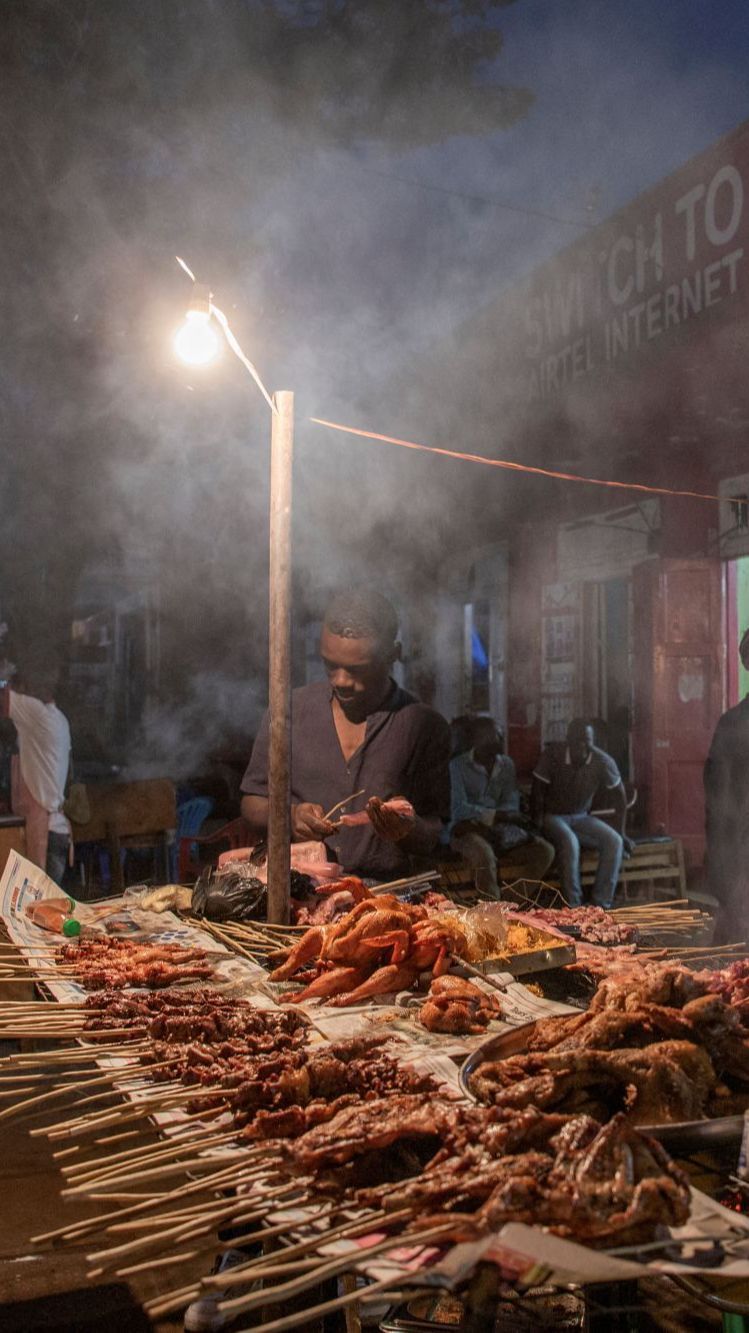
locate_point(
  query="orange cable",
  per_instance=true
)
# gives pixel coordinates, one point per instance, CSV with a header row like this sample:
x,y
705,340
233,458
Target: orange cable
x,y
513,467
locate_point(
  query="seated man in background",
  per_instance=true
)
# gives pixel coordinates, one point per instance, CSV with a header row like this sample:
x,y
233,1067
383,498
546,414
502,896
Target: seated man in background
x,y
486,820
565,782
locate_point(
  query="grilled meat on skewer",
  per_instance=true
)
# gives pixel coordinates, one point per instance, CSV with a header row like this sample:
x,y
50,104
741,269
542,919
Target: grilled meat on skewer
x,y
596,1184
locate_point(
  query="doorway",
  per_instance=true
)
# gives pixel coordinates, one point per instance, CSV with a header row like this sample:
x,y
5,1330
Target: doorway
x,y
484,689
737,618
607,666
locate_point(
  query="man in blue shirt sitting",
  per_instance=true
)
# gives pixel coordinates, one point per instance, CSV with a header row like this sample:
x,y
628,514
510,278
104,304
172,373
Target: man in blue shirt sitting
x,y
486,821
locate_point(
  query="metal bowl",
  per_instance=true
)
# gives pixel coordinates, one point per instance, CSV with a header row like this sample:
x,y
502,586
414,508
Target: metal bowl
x,y
682,1136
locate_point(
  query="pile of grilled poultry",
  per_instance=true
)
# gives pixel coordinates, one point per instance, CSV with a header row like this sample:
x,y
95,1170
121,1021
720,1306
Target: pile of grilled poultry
x,y
382,945
662,1049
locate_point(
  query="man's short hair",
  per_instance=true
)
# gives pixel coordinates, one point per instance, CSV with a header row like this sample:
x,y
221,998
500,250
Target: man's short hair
x,y
480,724
362,613
744,650
461,734
578,727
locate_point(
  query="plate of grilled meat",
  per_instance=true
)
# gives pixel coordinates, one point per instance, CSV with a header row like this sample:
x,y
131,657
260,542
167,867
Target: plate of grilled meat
x,y
666,1050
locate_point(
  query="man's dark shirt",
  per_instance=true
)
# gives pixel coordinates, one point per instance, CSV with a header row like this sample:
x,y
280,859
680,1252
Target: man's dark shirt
x,y
405,752
571,788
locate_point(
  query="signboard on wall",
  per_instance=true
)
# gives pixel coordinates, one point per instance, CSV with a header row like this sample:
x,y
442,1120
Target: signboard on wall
x,y
675,258
560,653
607,545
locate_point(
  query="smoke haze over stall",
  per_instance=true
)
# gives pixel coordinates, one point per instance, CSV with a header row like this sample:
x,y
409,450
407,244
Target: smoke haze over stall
x,y
354,181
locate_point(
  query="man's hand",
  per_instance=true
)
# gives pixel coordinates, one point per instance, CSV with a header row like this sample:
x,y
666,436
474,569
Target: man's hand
x,y
390,824
629,847
513,817
308,823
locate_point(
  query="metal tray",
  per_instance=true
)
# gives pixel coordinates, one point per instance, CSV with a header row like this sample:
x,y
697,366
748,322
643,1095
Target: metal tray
x,y
535,960
682,1136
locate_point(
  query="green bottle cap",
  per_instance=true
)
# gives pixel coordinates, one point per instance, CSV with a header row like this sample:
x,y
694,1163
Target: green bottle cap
x,y
71,927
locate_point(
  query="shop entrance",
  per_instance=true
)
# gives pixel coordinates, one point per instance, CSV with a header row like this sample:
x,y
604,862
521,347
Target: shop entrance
x,y
737,617
484,637
607,666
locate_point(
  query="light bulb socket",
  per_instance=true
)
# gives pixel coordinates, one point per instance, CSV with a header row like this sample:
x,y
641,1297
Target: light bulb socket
x,y
200,302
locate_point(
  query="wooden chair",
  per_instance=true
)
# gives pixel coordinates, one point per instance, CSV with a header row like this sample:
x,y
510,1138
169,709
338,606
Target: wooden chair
x,y
130,816
12,837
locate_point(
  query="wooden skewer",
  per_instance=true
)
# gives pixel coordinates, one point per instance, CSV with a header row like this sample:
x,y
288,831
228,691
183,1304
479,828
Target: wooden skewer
x,y
81,1052
169,1235
289,1290
77,1230
694,951
334,809
104,1141
640,907
66,1034
169,1261
382,1290
95,1119
246,1272
95,1224
131,1156
125,1077
180,1135
60,1092
88,1188
175,1299
235,945
175,1215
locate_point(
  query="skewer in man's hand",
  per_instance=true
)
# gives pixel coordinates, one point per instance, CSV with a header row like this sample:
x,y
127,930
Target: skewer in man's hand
x,y
308,823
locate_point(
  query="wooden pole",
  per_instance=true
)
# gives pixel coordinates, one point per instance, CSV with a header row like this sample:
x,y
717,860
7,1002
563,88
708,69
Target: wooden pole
x,y
279,681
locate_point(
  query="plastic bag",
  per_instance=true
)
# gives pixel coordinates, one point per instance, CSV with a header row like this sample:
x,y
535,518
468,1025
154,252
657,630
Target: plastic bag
x,y
486,928
229,893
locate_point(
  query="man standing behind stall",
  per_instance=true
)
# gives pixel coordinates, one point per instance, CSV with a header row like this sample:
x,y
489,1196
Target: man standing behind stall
x,y
41,769
727,816
565,782
359,730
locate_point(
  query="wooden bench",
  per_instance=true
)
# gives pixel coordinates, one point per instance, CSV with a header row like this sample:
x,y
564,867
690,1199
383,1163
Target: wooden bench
x,y
655,868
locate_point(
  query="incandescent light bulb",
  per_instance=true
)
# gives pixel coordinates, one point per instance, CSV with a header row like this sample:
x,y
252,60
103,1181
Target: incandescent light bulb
x,y
196,342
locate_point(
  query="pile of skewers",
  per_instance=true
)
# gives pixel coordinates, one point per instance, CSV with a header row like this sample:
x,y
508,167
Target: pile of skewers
x,y
352,1143
267,1129
667,921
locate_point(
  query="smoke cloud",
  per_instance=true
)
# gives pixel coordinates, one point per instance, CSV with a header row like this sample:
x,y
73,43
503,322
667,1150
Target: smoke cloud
x,y
348,236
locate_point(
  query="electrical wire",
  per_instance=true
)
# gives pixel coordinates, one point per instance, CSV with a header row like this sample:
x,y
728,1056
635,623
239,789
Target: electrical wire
x,y
512,467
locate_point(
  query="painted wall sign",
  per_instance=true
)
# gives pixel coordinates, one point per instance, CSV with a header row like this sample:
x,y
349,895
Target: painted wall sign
x,y
675,255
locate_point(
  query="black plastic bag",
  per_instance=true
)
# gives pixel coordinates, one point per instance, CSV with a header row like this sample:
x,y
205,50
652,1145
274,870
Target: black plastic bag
x,y
231,893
